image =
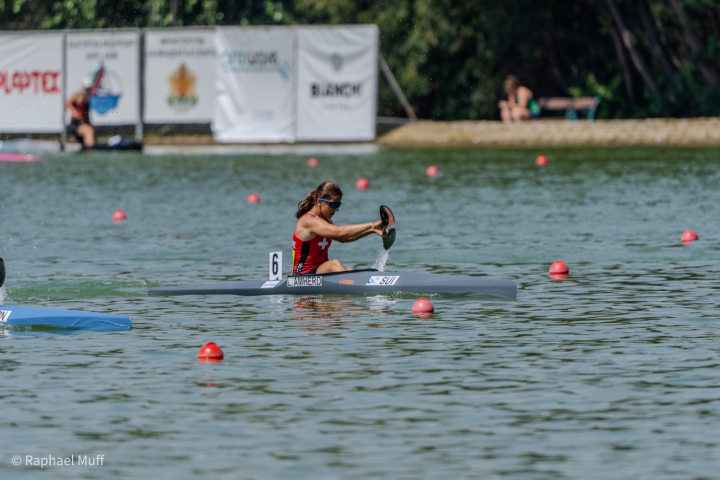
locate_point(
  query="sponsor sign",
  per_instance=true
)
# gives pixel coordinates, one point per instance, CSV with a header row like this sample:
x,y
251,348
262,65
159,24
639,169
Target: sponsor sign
x,y
382,281
304,281
179,76
346,282
110,61
270,284
31,83
4,314
255,95
337,83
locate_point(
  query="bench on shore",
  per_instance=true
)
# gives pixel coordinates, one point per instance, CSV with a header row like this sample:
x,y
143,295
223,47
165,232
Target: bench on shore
x,y
571,106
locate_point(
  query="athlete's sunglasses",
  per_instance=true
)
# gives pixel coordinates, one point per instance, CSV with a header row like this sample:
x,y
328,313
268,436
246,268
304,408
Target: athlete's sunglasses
x,y
331,204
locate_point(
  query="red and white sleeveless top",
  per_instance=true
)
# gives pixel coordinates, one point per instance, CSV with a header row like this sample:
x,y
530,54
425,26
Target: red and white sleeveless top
x,y
308,255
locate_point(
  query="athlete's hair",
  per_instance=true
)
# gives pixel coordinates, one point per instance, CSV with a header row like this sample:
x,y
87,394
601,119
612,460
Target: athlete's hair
x,y
324,190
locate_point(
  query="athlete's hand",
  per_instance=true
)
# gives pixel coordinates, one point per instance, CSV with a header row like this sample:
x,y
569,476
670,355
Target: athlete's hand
x,y
380,230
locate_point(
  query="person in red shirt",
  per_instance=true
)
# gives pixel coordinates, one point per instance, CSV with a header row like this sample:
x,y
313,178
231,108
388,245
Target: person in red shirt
x,y
315,231
79,106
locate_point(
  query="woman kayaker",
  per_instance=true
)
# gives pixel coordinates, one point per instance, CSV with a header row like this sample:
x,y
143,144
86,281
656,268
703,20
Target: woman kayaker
x,y
315,231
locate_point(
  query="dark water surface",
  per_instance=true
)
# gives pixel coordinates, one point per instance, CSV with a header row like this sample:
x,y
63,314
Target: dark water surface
x,y
612,373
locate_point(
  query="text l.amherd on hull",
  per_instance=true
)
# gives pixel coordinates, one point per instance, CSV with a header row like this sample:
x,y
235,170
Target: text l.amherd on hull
x,y
304,281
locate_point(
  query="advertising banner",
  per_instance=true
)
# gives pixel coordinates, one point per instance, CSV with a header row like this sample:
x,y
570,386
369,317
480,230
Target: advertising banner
x,y
31,83
337,83
255,94
111,61
180,67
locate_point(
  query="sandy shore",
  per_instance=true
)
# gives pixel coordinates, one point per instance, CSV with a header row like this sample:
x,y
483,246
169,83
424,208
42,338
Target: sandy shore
x,y
650,132
467,134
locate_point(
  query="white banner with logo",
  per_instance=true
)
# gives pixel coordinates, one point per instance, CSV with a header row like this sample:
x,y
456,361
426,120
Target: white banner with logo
x,y
111,61
255,95
31,83
180,67
337,83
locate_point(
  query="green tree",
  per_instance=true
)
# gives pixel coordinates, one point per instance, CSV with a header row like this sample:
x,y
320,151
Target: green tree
x,y
642,57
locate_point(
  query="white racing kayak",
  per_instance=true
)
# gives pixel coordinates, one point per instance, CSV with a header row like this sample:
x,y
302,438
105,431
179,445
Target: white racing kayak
x,y
354,282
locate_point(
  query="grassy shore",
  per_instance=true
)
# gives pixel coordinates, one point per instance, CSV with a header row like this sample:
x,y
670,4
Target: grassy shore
x,y
650,132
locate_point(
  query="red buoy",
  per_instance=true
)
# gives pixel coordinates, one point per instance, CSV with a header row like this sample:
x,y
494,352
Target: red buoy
x,y
541,160
362,184
313,162
423,305
689,236
559,267
118,216
210,352
559,270
253,198
432,170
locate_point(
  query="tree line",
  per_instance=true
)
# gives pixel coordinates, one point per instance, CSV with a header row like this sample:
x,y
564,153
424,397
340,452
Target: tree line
x,y
643,58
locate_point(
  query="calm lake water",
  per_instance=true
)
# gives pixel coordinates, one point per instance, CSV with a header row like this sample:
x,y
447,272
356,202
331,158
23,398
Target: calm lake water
x,y
612,373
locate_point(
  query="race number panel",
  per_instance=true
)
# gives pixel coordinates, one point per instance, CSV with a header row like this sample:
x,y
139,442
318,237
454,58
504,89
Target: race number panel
x,y
275,265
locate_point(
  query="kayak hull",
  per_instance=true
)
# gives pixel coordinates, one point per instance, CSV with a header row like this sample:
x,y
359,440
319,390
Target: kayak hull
x,y
354,282
13,316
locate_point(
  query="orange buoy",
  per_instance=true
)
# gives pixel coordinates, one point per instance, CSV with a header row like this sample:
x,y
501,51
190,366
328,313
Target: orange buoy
x,y
362,184
313,162
432,171
210,352
559,267
118,216
689,236
541,160
423,305
253,198
559,270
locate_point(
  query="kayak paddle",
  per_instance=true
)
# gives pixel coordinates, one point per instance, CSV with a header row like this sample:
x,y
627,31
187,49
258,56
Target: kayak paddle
x,y
2,273
387,218
389,239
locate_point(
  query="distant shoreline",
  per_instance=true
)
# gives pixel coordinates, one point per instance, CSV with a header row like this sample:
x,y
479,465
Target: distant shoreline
x,y
654,132
424,134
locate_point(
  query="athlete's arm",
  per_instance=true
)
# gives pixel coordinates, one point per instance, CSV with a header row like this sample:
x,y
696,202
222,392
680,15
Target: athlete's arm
x,y
345,233
374,229
524,95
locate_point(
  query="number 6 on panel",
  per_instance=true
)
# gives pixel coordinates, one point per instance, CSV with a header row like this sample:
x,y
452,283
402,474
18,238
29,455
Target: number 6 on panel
x,y
275,265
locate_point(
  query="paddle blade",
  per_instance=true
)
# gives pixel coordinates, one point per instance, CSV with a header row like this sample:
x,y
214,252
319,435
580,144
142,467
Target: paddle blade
x,y
389,239
386,216
2,272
